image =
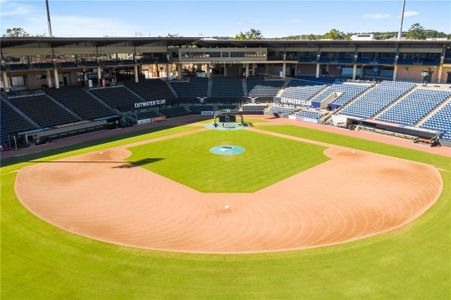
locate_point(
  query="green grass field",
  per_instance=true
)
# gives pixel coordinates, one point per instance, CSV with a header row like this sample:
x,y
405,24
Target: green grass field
x,y
188,160
39,261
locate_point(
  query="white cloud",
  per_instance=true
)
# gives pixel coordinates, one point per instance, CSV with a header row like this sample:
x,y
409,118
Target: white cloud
x,y
14,9
295,20
376,16
411,13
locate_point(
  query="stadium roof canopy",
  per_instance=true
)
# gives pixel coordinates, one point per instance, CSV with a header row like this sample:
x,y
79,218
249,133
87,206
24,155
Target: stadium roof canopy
x,y
213,43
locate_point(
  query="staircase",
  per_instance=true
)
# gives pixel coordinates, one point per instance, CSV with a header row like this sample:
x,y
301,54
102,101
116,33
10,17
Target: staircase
x,y
393,104
115,110
21,113
439,107
171,88
64,107
337,111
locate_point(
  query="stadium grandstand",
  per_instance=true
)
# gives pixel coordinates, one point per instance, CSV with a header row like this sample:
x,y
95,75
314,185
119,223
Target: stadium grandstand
x,y
55,87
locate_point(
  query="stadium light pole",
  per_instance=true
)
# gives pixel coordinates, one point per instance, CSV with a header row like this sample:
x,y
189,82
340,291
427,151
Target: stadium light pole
x,y
49,23
402,19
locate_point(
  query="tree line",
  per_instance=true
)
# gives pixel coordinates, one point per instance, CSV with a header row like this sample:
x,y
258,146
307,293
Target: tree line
x,y
415,32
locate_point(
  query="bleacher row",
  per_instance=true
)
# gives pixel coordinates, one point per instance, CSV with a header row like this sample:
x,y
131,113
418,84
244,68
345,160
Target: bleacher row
x,y
395,102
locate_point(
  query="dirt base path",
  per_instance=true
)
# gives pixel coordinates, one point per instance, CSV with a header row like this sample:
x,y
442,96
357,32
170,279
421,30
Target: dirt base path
x,y
354,195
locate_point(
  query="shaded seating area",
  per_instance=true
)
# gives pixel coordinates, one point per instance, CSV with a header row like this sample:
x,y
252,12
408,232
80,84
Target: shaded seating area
x,y
174,112
195,87
11,123
151,89
198,109
80,102
254,109
117,97
43,110
227,87
258,86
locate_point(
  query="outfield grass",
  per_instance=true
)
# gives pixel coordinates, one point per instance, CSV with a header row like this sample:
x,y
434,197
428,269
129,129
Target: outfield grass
x,y
188,160
40,261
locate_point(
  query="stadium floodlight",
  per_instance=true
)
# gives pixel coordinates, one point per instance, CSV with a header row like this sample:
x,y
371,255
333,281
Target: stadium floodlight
x,y
402,19
49,23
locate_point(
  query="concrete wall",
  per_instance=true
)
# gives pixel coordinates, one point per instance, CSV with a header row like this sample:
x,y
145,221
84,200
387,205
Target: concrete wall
x,y
306,69
409,73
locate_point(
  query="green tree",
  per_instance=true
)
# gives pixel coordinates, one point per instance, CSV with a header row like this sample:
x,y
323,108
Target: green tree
x,y
253,34
335,34
416,32
16,32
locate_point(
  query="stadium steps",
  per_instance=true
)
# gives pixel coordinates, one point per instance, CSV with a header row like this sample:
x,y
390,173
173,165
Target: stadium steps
x,y
210,87
439,107
133,92
245,93
64,107
174,93
393,104
21,113
115,110
337,112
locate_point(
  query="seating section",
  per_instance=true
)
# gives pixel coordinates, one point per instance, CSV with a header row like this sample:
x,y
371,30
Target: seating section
x,y
347,91
299,95
257,86
117,97
151,89
227,107
147,115
195,87
80,102
307,114
12,123
197,109
227,87
441,120
254,109
174,112
414,107
283,111
43,110
378,98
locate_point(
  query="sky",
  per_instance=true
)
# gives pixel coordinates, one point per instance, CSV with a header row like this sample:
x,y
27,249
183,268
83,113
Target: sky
x,y
144,18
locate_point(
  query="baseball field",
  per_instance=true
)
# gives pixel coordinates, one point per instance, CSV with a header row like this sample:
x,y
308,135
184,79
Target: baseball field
x,y
138,183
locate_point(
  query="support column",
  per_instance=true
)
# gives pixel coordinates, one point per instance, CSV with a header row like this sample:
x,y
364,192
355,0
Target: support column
x,y
247,71
167,71
296,73
57,80
99,76
354,72
136,74
395,72
49,78
225,70
440,70
266,68
207,70
361,72
179,72
318,67
5,81
284,70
